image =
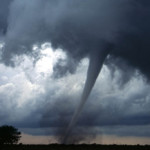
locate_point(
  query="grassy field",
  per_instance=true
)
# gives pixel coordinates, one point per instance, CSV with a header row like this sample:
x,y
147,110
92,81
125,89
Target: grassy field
x,y
74,147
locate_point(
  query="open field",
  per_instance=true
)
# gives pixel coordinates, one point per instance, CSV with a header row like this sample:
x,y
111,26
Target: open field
x,y
75,147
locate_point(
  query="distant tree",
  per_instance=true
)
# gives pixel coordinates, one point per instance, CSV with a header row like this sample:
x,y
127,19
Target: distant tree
x,y
9,135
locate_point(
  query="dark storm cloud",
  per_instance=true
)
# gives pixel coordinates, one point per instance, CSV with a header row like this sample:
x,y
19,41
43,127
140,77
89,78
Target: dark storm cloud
x,y
79,28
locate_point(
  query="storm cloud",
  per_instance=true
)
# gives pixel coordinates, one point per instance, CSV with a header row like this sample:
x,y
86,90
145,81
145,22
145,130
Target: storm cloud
x,y
79,28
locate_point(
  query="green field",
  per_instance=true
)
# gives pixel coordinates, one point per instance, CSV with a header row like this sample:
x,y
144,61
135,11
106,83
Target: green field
x,y
74,147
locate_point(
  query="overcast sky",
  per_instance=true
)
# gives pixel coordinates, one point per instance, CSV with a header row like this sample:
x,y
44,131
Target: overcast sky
x,y
45,50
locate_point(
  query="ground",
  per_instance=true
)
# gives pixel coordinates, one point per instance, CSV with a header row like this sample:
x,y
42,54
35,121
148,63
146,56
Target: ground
x,y
75,147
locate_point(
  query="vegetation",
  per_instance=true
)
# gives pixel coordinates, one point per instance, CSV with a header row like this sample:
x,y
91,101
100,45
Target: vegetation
x,y
9,135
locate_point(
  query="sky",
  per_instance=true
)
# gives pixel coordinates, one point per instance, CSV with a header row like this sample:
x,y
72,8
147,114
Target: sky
x,y
49,53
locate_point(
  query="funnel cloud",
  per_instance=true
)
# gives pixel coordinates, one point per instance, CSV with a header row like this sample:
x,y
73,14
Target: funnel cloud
x,y
95,65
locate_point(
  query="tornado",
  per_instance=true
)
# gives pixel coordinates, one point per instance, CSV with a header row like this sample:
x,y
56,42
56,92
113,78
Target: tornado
x,y
95,64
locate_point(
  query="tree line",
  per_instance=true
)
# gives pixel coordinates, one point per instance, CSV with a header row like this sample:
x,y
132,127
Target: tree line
x,y
9,135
